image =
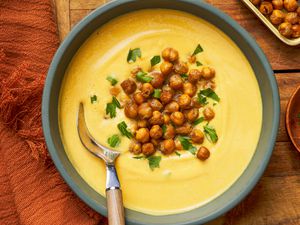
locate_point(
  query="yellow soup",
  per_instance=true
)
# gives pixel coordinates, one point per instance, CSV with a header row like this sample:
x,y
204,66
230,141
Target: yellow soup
x,y
180,183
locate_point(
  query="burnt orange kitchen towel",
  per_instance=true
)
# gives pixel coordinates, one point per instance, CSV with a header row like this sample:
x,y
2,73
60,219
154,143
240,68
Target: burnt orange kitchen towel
x,y
31,190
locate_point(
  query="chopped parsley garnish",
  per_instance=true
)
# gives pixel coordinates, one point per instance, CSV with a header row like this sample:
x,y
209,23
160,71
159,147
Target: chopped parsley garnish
x,y
93,99
202,99
156,93
124,131
198,63
112,106
177,153
184,76
210,133
164,128
187,145
155,60
142,77
154,161
112,80
209,93
298,115
133,54
198,121
114,140
198,49
139,157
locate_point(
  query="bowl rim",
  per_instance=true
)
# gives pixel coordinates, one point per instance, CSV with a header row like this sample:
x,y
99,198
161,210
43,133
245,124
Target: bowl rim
x,y
234,25
288,118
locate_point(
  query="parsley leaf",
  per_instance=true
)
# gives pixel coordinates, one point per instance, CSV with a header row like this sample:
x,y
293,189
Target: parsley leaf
x,y
114,140
155,60
154,161
198,121
198,63
177,153
112,80
93,99
112,106
156,93
184,76
141,76
164,128
124,131
210,94
187,145
198,50
133,54
202,99
139,157
211,134
298,115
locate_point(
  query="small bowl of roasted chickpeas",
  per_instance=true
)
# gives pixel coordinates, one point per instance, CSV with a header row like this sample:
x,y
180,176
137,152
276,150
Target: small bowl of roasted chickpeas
x,y
282,17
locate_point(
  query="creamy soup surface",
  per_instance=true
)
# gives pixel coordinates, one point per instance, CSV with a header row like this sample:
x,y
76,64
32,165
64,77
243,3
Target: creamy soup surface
x,y
180,183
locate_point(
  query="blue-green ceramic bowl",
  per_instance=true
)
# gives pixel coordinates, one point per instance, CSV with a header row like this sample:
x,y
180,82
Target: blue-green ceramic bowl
x,y
259,63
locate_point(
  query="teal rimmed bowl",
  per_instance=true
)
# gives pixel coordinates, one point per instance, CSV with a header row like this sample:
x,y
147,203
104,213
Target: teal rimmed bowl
x,y
255,56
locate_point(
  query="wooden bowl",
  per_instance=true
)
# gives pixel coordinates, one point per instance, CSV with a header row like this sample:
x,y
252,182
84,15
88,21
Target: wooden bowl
x,y
293,118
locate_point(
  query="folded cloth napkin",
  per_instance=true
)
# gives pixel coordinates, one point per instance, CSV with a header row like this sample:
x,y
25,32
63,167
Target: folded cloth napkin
x,y
31,190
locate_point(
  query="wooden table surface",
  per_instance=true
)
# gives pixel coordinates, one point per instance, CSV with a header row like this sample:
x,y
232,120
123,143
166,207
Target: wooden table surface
x,y
276,198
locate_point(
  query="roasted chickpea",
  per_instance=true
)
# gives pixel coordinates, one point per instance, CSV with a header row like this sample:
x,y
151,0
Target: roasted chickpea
x,y
292,18
131,110
255,2
166,68
277,4
138,98
298,11
169,132
176,82
147,90
156,119
208,73
156,132
148,149
277,17
296,31
155,104
144,111
195,103
166,96
192,59
290,5
285,29
203,153
142,123
177,118
194,76
172,107
181,67
189,89
128,86
266,8
192,114
166,118
184,101
208,113
168,146
178,145
158,79
142,135
135,148
197,136
170,54
186,129
135,70
115,91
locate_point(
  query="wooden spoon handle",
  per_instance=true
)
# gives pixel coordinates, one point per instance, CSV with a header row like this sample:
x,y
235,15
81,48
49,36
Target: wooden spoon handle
x,y
115,207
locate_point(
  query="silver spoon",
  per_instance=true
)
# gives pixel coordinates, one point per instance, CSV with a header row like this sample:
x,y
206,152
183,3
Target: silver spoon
x,y
113,192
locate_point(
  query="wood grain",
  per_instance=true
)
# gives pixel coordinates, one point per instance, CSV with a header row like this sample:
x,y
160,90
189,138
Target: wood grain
x,y
63,17
115,207
276,198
